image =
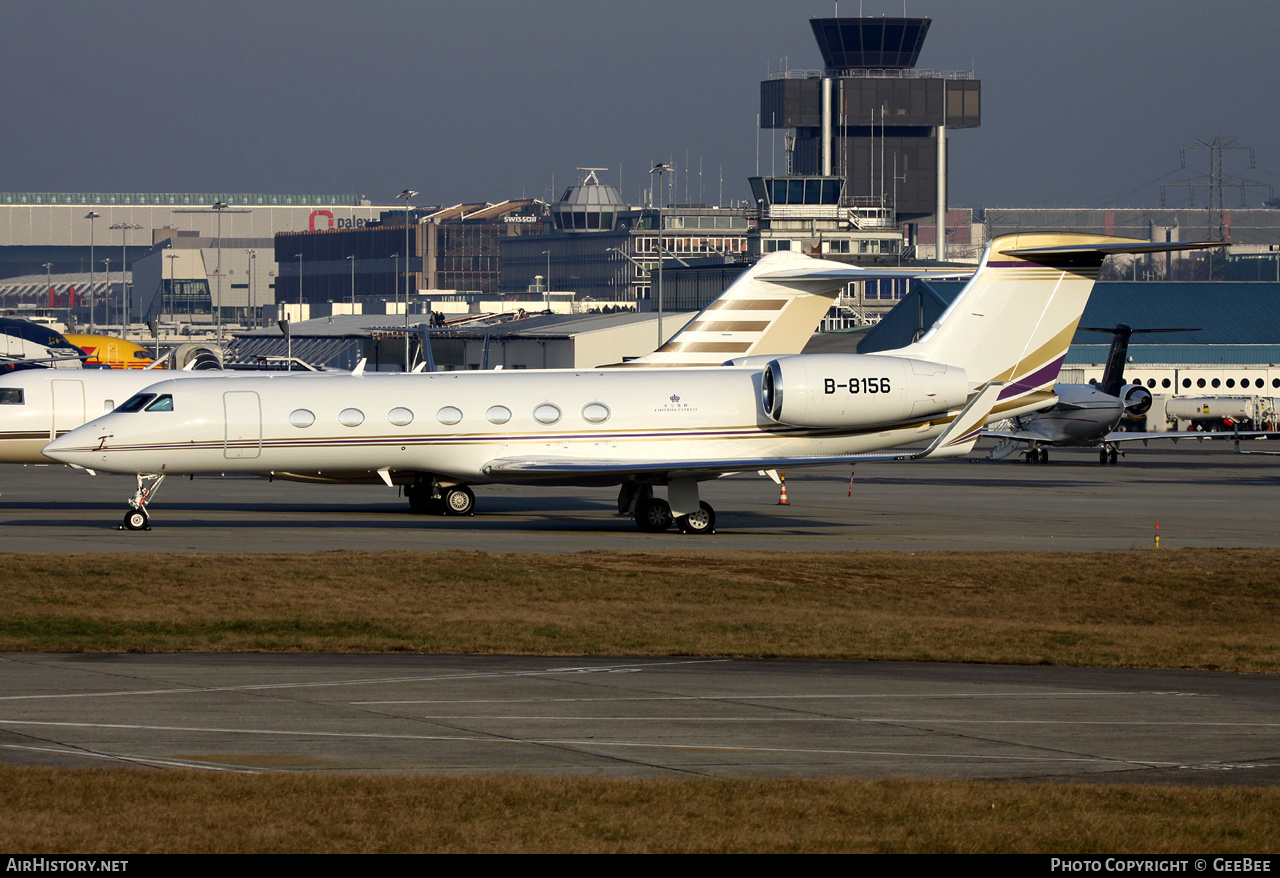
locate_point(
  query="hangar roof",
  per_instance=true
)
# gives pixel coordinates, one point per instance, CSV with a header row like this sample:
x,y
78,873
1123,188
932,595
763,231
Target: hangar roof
x,y
1242,315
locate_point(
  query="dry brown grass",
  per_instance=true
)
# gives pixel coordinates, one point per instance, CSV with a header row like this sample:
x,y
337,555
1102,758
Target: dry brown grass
x,y
1181,608
109,811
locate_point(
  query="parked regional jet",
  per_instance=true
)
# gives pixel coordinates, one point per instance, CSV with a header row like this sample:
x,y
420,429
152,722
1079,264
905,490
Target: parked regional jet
x,y
1086,415
994,353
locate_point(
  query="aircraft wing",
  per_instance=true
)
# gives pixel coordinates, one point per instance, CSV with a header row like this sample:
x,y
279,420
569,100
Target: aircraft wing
x,y
1250,435
957,439
1144,438
1016,435
1120,436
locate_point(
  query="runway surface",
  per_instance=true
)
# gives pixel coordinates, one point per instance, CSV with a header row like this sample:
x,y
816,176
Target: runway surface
x,y
647,717
1200,494
655,717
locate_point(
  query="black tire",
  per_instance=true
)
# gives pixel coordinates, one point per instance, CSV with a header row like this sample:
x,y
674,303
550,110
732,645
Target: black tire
x,y
1114,457
459,500
1102,457
653,516
421,502
136,519
701,522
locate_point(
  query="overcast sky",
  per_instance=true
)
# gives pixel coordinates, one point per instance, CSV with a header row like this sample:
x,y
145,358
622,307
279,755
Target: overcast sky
x,y
1085,102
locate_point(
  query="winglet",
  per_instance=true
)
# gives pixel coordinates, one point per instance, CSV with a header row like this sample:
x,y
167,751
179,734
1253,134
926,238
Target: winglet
x,y
963,432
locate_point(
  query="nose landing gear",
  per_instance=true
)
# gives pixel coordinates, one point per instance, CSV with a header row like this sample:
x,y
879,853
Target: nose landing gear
x,y
137,518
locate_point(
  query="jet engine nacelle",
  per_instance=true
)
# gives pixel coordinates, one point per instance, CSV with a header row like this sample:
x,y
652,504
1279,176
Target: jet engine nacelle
x,y
853,390
1136,399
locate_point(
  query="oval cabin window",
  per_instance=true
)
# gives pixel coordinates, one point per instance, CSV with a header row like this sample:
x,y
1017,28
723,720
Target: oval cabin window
x,y
595,412
449,415
351,417
546,413
498,414
302,418
400,416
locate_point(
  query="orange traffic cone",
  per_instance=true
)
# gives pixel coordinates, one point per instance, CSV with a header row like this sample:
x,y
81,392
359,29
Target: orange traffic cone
x,y
782,498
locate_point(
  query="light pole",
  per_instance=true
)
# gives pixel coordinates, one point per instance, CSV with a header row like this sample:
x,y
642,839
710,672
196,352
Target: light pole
x,y
299,255
546,291
48,284
218,207
406,195
125,229
107,271
352,260
253,259
395,276
91,216
660,168
172,257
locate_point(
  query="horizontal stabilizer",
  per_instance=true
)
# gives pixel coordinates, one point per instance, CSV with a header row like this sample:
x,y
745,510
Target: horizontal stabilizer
x,y
1114,248
852,274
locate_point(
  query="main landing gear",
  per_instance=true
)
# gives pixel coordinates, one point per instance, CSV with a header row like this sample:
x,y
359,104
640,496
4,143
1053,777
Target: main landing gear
x,y
1037,455
1108,455
653,514
136,518
428,498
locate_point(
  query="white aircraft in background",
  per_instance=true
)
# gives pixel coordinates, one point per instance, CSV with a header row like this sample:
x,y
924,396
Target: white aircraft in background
x,y
1087,415
25,342
994,353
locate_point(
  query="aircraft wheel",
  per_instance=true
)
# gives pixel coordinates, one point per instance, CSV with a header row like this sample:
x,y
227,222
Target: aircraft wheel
x,y
422,503
1102,457
1032,456
1113,457
136,519
653,516
701,522
459,500
1044,455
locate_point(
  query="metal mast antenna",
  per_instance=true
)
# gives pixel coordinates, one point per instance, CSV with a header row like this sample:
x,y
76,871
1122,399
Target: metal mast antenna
x,y
1217,181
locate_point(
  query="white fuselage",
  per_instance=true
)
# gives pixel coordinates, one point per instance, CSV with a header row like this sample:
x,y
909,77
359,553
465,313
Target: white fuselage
x,y
455,424
1084,414
38,405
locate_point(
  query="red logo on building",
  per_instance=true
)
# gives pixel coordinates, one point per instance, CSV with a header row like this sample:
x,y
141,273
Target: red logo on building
x,y
324,213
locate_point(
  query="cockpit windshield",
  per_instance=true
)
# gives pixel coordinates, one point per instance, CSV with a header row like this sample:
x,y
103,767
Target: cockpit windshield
x,y
163,403
136,402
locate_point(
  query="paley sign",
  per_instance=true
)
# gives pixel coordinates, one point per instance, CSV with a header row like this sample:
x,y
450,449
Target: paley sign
x,y
327,221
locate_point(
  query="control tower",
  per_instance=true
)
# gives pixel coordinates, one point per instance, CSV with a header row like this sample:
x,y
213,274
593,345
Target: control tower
x,y
872,117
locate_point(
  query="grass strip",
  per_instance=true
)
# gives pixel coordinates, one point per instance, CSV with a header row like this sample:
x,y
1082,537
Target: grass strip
x,y
108,811
1182,608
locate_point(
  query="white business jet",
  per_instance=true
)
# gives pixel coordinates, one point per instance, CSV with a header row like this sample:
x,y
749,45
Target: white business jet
x,y
764,310
994,353
1086,415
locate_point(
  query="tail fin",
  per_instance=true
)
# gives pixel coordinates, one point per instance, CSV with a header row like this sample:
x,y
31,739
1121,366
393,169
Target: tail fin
x,y
1113,373
1015,319
773,308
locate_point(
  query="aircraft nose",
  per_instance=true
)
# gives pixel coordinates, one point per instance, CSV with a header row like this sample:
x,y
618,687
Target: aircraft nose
x,y
71,448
